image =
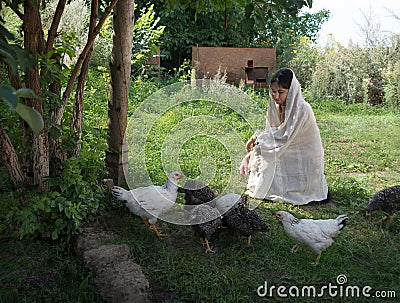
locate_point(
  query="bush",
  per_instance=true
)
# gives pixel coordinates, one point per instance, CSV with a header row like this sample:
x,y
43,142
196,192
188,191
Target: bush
x,y
355,74
146,36
391,74
75,197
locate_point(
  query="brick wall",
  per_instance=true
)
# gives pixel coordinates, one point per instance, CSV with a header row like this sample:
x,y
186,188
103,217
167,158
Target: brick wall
x,y
207,61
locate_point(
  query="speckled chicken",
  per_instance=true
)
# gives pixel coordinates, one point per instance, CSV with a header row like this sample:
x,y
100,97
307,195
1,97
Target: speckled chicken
x,y
228,201
196,192
244,221
205,221
387,200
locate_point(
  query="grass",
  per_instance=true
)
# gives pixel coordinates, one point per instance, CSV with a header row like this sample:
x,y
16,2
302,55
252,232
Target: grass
x,y
361,151
361,157
37,271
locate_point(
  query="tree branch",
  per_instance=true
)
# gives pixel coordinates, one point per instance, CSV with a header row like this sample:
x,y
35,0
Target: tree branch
x,y
78,65
54,25
78,104
14,9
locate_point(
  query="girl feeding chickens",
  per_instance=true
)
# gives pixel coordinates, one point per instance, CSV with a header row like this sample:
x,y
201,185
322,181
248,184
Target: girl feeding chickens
x,y
285,162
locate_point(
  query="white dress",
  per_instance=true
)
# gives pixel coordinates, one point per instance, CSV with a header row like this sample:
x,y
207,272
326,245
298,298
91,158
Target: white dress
x,y
288,160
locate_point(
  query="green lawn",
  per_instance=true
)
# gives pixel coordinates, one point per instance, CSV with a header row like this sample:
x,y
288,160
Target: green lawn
x,y
361,150
361,157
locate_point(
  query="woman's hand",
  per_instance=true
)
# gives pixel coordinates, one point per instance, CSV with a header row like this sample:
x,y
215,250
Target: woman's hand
x,y
251,143
244,166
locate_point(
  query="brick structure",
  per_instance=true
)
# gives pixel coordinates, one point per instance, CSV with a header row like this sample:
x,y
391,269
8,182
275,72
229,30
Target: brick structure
x,y
234,61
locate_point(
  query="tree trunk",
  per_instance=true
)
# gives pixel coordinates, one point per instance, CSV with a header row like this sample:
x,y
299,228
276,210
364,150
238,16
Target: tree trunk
x,y
78,104
10,160
78,108
120,67
34,43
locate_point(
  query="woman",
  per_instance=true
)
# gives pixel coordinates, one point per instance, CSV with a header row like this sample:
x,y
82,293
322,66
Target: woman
x,y
286,161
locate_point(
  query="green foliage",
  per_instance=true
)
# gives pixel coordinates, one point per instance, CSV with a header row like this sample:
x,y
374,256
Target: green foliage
x,y
356,74
102,47
255,9
213,27
229,23
303,60
146,37
287,33
183,72
30,115
391,74
75,197
16,58
76,194
74,23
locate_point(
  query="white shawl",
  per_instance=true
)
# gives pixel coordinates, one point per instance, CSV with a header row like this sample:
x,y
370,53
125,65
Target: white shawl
x,y
288,162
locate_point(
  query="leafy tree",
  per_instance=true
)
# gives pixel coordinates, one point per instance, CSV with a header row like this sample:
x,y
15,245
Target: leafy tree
x,y
225,23
184,30
42,160
45,77
285,32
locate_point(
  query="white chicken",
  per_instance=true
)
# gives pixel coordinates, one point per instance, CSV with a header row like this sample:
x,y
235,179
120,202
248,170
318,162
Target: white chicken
x,y
149,202
316,234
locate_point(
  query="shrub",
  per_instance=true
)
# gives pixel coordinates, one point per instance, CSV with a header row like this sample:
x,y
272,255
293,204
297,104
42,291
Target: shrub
x,y
304,59
391,74
354,73
392,83
75,197
146,35
102,47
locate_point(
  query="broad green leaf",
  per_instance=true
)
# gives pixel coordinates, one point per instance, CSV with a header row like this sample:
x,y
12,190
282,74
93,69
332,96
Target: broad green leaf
x,y
7,93
26,93
4,53
31,116
6,33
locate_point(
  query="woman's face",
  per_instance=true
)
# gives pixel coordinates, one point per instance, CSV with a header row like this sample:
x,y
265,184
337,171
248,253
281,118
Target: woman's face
x,y
278,93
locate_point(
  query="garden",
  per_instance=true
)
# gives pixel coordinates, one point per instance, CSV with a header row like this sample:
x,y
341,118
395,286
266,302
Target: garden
x,y
354,92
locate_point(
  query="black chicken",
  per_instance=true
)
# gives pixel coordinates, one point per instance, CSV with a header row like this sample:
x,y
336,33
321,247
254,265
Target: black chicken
x,y
205,222
387,200
204,216
196,192
244,221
